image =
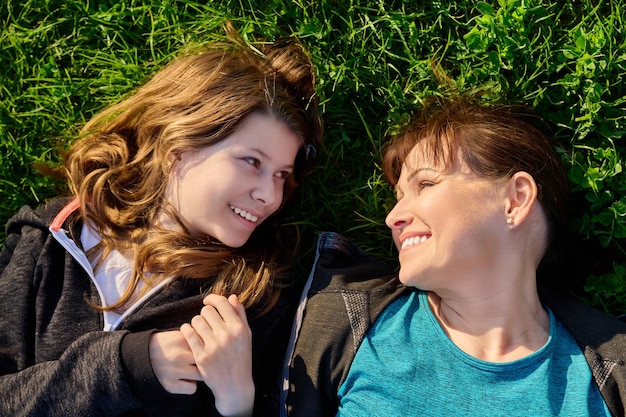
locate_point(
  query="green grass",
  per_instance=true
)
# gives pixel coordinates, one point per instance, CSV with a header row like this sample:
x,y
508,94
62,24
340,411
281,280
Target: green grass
x,y
376,61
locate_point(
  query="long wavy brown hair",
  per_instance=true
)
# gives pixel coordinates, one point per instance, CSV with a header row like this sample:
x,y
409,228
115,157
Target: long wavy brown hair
x,y
118,167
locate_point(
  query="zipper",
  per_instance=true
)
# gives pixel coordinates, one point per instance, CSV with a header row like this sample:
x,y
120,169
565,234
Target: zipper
x,y
111,322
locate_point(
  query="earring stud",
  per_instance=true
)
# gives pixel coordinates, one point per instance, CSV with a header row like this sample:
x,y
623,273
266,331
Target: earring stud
x,y
509,220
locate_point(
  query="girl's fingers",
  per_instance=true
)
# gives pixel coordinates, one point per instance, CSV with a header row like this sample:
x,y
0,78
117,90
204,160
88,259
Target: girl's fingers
x,y
173,362
221,329
189,373
193,338
199,331
239,308
226,312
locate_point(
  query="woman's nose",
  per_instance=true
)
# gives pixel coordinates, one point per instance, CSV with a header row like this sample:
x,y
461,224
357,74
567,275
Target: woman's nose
x,y
397,218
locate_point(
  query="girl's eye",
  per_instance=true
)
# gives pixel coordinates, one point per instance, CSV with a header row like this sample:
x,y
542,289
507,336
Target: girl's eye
x,y
252,161
283,174
255,162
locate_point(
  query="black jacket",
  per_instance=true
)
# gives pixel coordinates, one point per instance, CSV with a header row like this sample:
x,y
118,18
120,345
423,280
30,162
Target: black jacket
x,y
55,357
347,290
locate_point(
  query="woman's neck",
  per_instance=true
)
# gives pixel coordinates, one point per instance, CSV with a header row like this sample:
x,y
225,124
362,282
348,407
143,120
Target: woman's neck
x,y
499,327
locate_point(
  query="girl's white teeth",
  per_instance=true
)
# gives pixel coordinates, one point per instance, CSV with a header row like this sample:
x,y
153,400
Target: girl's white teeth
x,y
244,214
414,240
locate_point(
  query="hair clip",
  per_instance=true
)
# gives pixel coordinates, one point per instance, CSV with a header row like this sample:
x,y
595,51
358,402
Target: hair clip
x,y
311,152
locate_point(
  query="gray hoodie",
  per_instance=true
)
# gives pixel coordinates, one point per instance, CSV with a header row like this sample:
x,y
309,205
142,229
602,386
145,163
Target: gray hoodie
x,y
347,290
57,357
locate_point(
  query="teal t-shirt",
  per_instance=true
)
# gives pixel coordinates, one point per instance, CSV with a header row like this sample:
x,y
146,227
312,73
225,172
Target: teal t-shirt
x,y
407,366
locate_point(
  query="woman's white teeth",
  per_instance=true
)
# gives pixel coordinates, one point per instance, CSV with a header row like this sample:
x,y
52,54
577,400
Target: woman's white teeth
x,y
414,240
244,214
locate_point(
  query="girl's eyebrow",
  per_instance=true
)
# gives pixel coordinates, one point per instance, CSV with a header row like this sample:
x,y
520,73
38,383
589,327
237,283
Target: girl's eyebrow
x,y
260,152
266,156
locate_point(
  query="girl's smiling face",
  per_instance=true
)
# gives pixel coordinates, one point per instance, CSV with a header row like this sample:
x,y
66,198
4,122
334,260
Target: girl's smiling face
x,y
447,221
226,190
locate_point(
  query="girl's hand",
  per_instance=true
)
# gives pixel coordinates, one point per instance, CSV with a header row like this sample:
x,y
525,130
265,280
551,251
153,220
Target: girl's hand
x,y
173,362
221,342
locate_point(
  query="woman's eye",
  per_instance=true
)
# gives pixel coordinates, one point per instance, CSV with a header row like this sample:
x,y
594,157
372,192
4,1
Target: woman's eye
x,y
397,194
423,184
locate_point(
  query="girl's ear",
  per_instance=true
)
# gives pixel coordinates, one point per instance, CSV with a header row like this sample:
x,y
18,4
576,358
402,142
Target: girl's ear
x,y
521,194
172,157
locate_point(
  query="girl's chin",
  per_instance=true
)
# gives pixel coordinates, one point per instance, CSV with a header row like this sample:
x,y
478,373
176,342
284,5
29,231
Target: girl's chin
x,y
236,241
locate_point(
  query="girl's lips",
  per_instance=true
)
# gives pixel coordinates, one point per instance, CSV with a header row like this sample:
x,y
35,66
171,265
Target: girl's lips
x,y
244,214
414,240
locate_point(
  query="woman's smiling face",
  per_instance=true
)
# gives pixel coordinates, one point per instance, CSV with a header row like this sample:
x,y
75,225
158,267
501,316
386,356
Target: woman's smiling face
x,y
226,190
446,222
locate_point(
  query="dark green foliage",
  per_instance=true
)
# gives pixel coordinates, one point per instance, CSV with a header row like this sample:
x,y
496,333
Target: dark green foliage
x,y
376,61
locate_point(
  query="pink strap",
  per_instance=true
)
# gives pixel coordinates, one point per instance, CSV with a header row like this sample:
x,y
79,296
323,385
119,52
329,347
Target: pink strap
x,y
71,207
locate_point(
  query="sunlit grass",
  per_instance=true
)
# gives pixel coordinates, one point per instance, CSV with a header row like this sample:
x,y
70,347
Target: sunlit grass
x,y
376,61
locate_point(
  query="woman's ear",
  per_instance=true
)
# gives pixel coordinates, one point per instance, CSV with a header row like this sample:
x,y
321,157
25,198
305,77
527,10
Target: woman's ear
x,y
521,194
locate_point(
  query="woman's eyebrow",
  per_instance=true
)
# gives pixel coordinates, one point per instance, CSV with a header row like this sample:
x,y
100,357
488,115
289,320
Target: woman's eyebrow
x,y
417,171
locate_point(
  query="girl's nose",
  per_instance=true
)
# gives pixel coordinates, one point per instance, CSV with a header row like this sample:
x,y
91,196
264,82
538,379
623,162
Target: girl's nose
x,y
266,191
